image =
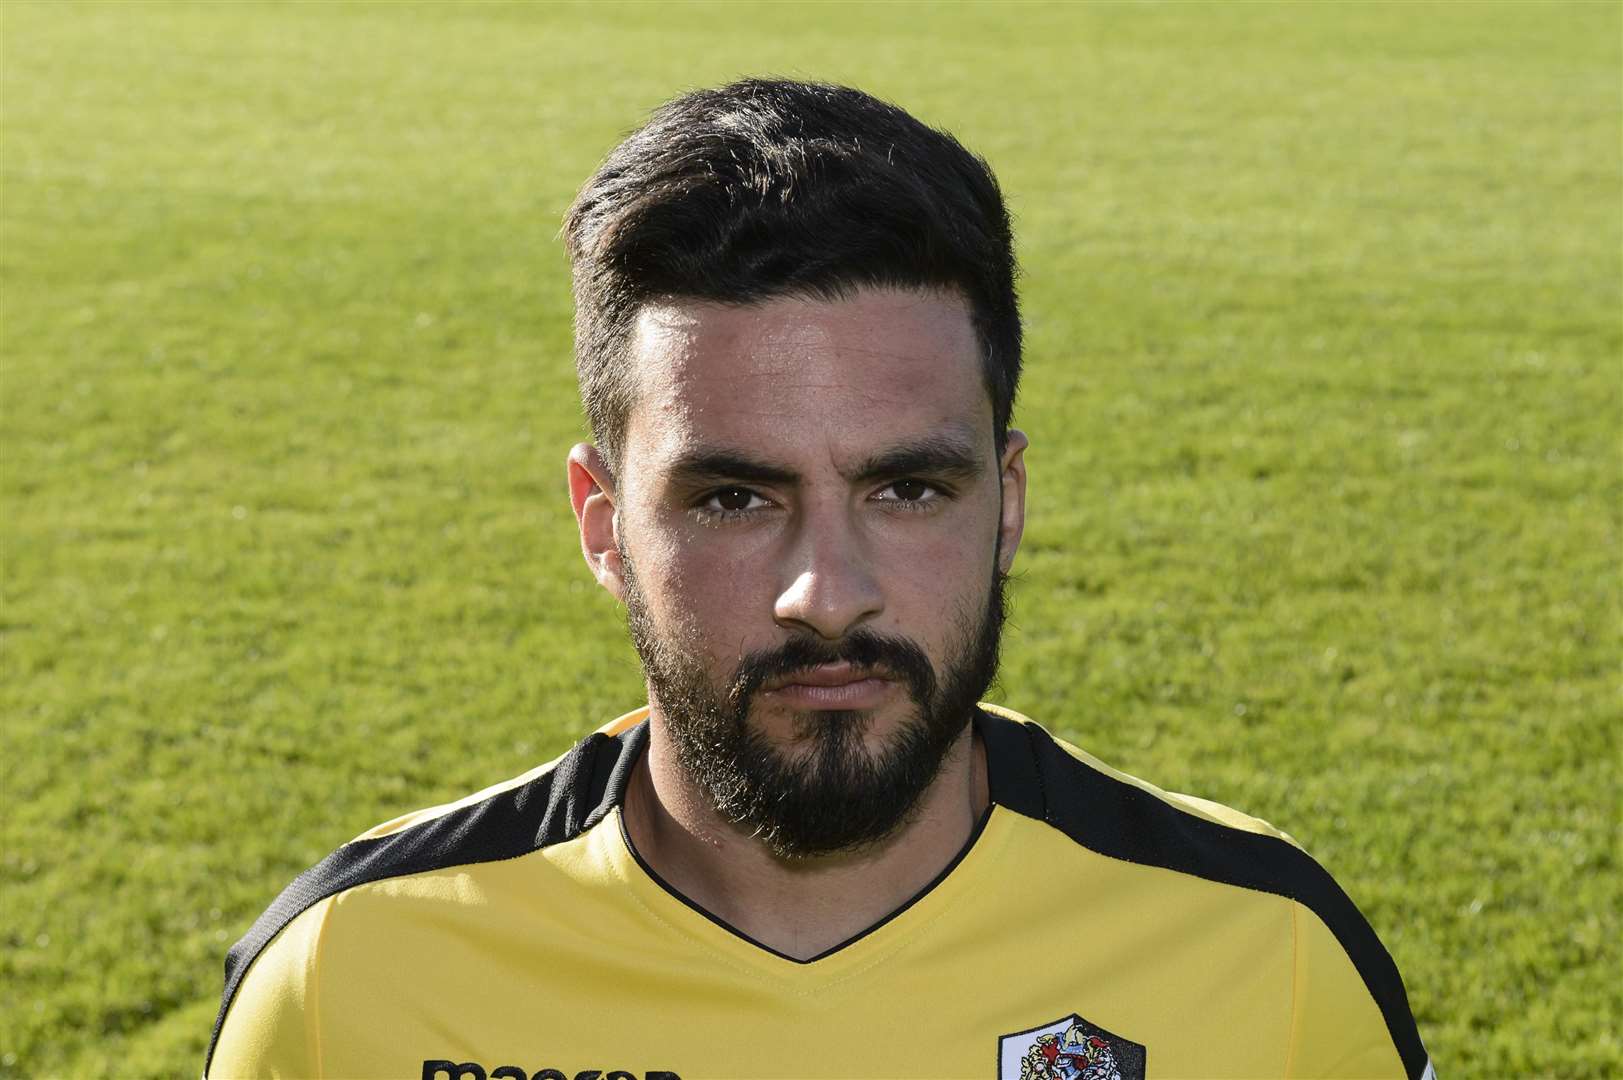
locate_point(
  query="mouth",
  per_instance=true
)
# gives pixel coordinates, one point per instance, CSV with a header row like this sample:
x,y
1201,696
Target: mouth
x,y
830,686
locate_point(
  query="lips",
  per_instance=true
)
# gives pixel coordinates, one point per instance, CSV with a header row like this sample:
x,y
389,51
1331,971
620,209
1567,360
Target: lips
x,y
841,674
830,686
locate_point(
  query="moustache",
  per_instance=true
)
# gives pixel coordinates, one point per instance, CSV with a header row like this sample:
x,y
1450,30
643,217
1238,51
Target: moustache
x,y
892,656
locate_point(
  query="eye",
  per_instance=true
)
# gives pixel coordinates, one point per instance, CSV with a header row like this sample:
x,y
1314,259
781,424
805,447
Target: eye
x,y
908,491
730,501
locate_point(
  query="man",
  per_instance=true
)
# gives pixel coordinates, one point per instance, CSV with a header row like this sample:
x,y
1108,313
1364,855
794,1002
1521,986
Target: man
x,y
813,854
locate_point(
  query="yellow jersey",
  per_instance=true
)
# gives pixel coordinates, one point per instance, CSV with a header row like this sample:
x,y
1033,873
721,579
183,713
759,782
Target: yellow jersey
x,y
1094,927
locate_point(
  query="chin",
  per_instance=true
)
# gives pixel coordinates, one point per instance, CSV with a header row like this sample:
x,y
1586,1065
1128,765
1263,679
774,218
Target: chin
x,y
874,730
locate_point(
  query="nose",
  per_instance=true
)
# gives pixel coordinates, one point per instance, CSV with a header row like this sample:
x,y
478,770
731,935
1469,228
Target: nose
x,y
831,586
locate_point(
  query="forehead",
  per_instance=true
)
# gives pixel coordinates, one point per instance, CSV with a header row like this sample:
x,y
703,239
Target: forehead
x,y
799,375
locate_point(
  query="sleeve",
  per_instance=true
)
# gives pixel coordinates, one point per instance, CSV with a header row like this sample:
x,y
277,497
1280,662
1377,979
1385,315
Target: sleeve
x,y
271,1026
1350,1017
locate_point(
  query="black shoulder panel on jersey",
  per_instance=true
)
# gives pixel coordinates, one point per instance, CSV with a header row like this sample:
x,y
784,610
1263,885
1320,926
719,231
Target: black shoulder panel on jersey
x,y
559,805
1033,775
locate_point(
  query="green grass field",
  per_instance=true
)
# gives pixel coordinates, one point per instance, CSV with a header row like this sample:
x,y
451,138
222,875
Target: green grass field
x,y
1325,382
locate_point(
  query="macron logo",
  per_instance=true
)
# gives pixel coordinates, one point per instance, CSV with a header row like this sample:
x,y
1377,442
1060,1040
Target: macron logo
x,y
440,1069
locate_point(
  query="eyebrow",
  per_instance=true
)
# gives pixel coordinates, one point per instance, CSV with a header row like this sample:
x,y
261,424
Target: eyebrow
x,y
951,457
948,456
709,464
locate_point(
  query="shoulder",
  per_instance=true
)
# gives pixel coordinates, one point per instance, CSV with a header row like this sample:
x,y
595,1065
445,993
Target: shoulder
x,y
1067,762
1116,814
552,803
1113,813
1123,817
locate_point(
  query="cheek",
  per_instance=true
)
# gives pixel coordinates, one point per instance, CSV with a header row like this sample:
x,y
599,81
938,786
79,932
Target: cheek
x,y
932,587
707,592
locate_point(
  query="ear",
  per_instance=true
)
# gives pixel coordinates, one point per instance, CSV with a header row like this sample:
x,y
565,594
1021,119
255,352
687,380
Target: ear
x,y
591,492
1012,522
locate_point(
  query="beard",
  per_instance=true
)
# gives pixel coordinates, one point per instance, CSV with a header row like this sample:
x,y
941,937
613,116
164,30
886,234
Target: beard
x,y
834,795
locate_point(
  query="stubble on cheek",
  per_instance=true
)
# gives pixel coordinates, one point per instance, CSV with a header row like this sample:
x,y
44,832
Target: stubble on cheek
x,y
670,640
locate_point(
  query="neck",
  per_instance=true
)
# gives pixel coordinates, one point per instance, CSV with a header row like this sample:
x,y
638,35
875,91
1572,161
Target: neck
x,y
802,907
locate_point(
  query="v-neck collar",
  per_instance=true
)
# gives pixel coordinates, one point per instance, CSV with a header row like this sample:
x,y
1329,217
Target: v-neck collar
x,y
1001,739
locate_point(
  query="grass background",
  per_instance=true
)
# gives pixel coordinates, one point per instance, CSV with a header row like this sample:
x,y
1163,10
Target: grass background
x,y
1324,394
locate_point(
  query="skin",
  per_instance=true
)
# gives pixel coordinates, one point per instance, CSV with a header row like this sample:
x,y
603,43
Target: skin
x,y
762,494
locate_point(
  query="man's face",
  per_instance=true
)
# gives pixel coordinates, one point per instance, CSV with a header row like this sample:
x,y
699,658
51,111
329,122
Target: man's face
x,y
814,523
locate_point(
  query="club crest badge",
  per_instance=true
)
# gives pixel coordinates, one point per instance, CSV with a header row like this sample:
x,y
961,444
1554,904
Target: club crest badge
x,y
1070,1048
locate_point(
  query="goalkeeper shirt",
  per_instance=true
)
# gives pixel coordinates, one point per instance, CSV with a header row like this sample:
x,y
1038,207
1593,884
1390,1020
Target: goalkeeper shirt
x,y
1093,927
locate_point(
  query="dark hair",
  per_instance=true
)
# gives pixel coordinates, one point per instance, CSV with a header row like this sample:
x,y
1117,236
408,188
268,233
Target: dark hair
x,y
766,188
